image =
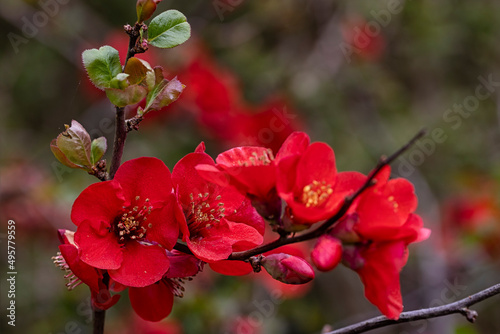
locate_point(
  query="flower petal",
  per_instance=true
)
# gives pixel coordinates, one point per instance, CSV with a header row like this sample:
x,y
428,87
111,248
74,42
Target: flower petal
x,y
142,265
231,268
380,276
164,227
153,302
106,199
87,274
144,177
296,143
186,178
316,164
98,246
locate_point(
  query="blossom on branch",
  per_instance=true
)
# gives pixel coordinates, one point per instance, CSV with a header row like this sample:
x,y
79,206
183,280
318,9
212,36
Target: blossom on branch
x,y
214,220
125,225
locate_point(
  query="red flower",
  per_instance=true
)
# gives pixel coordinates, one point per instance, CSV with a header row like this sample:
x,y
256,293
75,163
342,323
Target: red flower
x,y
79,272
213,95
380,227
268,125
360,39
384,209
309,183
214,220
124,225
154,302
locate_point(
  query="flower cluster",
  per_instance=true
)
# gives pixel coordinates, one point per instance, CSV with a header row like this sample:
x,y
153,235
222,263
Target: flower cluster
x,y
148,229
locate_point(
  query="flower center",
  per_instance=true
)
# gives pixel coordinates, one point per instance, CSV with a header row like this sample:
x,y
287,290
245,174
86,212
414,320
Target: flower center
x,y
203,212
316,193
264,159
131,224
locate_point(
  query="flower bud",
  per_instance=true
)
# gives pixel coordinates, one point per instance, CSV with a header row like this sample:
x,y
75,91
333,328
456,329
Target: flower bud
x,y
288,268
145,9
327,253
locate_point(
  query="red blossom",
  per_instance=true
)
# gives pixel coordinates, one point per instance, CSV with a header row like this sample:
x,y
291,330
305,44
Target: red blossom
x,y
380,226
309,183
384,208
124,225
79,272
214,220
154,302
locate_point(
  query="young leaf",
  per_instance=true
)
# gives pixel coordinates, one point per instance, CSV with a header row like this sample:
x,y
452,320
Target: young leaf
x,y
98,148
102,65
168,29
125,97
120,81
145,8
138,70
60,155
75,145
163,94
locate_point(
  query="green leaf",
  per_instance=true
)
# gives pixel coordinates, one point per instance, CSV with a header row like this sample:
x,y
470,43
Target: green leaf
x,y
120,81
75,145
168,29
98,148
102,65
125,97
163,94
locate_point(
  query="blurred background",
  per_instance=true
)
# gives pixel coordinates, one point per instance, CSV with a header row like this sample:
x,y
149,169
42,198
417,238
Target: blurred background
x,y
363,76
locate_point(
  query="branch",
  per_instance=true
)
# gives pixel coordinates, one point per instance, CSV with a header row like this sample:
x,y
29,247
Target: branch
x,y
134,45
119,143
99,317
244,255
461,306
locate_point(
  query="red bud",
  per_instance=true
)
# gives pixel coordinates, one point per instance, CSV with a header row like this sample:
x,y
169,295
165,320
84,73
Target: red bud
x,y
288,268
327,253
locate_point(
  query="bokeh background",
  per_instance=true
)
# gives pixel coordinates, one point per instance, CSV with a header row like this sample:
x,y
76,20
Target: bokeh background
x,y
363,76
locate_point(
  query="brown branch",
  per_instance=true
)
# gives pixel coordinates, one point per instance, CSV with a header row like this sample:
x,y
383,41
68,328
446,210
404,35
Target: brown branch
x,y
119,143
245,255
461,307
99,318
134,44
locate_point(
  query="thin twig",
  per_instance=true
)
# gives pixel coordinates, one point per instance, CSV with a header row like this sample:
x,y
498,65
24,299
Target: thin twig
x,y
461,307
245,255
